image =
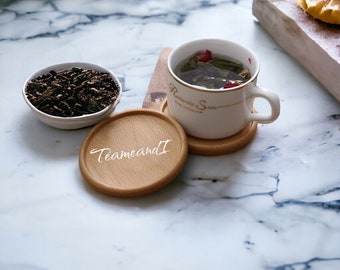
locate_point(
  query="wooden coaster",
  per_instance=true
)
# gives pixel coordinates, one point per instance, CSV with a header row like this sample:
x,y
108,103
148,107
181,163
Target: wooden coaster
x,y
133,153
219,146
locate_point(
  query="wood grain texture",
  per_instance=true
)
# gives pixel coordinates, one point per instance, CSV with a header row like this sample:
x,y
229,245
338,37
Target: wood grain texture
x,y
156,92
314,44
133,153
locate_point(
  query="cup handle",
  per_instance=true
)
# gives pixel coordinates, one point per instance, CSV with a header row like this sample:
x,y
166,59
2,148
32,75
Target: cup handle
x,y
274,102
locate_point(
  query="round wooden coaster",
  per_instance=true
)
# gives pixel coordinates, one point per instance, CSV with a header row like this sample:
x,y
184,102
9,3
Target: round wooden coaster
x,y
219,146
133,153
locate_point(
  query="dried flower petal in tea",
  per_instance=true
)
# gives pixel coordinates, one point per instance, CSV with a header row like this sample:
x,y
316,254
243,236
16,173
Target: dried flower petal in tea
x,y
204,56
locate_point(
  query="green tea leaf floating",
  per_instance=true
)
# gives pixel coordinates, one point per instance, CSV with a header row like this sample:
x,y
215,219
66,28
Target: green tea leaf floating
x,y
226,64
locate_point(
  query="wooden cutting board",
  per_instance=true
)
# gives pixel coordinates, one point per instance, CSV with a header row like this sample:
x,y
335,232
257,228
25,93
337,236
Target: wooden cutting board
x,y
314,44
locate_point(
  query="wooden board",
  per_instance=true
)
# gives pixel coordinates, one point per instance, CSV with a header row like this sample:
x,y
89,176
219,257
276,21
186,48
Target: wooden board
x,y
314,44
156,92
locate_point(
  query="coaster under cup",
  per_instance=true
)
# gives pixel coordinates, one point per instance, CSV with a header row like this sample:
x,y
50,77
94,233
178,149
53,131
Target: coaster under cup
x,y
218,146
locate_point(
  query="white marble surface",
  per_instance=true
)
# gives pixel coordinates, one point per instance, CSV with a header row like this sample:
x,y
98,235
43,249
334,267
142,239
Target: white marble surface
x,y
273,205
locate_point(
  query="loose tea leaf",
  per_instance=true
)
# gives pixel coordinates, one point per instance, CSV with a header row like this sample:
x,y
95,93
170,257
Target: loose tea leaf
x,y
72,92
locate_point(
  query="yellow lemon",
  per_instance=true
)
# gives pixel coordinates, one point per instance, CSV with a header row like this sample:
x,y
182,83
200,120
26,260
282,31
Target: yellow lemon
x,y
325,10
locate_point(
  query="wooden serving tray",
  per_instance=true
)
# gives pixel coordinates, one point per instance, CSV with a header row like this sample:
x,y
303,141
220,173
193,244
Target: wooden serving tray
x,y
314,44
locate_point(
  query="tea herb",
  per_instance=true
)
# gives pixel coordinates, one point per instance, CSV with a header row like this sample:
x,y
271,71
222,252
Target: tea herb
x,y
72,92
212,72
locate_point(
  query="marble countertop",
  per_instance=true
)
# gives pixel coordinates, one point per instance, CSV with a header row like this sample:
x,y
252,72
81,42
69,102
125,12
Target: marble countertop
x,y
274,204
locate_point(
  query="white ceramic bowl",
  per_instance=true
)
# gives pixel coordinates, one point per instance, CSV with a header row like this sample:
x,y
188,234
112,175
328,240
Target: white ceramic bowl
x,y
73,122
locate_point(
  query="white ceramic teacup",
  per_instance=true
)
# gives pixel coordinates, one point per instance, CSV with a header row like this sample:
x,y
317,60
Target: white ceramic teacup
x,y
215,114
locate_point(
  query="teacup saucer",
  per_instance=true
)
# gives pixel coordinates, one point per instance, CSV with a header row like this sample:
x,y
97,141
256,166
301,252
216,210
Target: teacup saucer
x,y
218,146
